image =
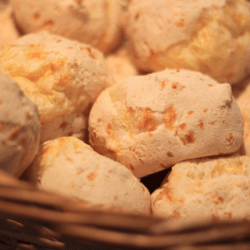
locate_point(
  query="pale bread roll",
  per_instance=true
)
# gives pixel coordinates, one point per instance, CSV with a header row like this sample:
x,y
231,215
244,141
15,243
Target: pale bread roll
x,y
95,22
19,127
8,29
148,123
241,93
120,65
205,189
208,36
70,167
63,77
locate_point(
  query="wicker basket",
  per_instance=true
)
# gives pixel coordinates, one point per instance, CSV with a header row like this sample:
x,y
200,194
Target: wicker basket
x,y
34,219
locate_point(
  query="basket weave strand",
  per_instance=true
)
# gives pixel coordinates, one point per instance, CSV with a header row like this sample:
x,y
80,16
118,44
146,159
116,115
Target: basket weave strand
x,y
32,219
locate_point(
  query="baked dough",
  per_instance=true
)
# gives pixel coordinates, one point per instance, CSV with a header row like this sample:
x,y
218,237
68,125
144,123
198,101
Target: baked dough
x,y
8,30
95,22
208,36
70,167
241,93
210,189
19,127
120,65
63,77
148,123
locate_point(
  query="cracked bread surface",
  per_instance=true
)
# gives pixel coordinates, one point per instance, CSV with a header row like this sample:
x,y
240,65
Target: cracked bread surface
x,y
148,123
63,77
211,37
208,188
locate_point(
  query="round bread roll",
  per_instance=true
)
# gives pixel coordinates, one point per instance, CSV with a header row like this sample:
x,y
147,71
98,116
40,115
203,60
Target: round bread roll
x,y
211,189
211,37
8,30
148,123
241,93
63,77
120,65
70,167
95,22
19,127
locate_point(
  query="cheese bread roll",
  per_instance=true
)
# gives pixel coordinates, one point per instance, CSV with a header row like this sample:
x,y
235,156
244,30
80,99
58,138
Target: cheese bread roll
x,y
208,36
63,77
19,127
148,123
70,167
210,189
95,22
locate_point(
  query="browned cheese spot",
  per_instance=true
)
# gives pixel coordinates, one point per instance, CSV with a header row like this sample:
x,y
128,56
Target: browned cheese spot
x,y
109,129
188,138
36,16
15,132
174,85
220,200
91,176
79,2
176,215
131,111
64,125
201,125
29,115
147,122
210,85
181,23
246,136
57,66
214,217
205,110
165,192
131,167
152,54
137,15
190,113
116,198
91,55
69,159
34,51
58,9
150,134
163,85
230,137
44,150
213,123
183,126
63,81
169,154
2,126
169,118
48,24
230,75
